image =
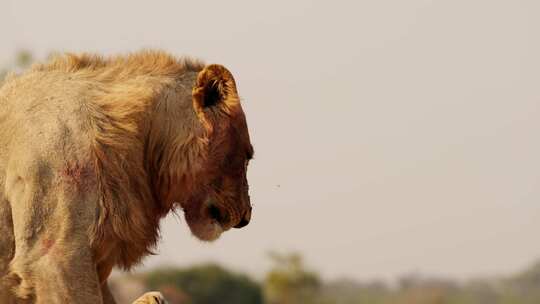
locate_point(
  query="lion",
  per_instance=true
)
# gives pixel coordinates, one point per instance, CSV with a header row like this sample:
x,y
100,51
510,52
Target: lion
x,y
94,151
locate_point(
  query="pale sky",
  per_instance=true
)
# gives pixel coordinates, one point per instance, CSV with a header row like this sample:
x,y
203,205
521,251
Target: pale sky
x,y
391,136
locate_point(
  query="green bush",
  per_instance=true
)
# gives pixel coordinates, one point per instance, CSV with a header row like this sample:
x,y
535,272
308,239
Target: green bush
x,y
207,284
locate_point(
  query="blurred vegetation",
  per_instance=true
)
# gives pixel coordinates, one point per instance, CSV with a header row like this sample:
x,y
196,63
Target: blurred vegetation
x,y
290,282
22,60
205,284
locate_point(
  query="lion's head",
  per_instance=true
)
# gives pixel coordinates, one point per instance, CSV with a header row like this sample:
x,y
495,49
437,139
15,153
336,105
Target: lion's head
x,y
215,196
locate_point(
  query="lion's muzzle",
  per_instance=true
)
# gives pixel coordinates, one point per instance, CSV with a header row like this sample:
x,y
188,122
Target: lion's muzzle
x,y
245,219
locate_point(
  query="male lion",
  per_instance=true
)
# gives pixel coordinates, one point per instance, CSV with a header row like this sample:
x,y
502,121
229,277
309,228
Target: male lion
x,y
94,152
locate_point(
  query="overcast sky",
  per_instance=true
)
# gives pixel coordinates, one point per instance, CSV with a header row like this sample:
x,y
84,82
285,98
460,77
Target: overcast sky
x,y
391,136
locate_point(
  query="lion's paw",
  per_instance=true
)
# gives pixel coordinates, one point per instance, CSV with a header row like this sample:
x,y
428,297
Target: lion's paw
x,y
153,297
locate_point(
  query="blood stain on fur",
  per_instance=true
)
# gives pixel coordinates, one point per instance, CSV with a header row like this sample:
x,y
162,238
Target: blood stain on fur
x,y
76,174
46,245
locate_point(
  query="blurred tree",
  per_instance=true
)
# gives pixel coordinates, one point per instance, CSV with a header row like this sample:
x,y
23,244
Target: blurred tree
x,y
207,284
290,283
23,59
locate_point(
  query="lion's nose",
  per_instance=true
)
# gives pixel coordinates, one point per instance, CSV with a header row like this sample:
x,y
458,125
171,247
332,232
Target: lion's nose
x,y
245,219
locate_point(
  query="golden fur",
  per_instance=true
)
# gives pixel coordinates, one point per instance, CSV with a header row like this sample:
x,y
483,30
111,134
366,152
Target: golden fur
x,y
160,132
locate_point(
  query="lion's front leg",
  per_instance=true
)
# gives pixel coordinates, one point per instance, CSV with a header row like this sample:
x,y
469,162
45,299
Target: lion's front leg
x,y
68,278
53,261
151,298
59,276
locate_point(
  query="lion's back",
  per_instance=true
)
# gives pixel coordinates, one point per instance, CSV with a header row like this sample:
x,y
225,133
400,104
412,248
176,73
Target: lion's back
x,y
43,115
44,129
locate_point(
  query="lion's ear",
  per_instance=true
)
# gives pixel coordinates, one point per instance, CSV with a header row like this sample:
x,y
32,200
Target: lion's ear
x,y
215,87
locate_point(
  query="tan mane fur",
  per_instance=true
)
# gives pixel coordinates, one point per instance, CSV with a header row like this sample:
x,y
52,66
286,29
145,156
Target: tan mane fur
x,y
129,150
